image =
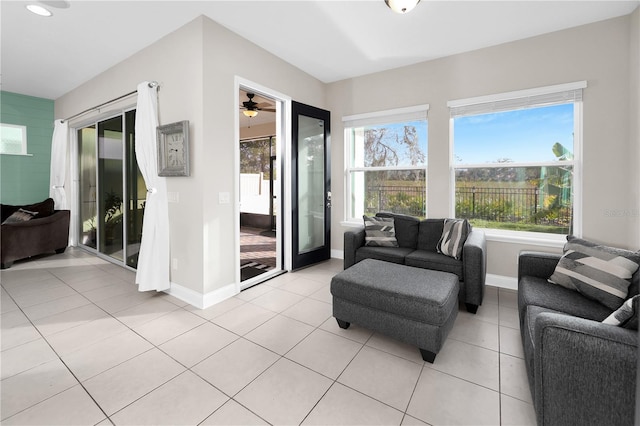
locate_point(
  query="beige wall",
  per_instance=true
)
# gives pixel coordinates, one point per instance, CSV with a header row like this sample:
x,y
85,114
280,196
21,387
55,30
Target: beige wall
x,y
598,53
196,66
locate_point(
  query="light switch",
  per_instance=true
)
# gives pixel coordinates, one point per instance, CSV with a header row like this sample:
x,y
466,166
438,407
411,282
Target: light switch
x,y
173,197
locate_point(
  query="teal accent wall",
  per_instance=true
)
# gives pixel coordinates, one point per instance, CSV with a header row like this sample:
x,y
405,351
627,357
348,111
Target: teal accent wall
x,y
25,179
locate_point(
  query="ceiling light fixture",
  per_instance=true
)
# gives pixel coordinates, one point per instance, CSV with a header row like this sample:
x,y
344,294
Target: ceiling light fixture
x,y
401,6
250,112
39,10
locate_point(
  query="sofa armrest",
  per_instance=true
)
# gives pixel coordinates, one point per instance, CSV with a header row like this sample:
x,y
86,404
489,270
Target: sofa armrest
x,y
474,267
353,240
537,264
585,371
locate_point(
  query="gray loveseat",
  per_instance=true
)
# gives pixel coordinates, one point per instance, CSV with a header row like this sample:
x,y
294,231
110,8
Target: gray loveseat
x,y
417,241
581,371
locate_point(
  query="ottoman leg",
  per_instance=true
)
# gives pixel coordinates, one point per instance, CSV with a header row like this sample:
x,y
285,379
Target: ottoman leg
x,y
428,355
343,324
471,308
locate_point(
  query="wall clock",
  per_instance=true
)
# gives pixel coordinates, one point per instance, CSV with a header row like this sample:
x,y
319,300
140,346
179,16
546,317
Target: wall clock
x,y
173,149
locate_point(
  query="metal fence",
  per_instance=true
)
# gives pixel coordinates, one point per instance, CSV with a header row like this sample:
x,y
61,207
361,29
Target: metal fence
x,y
492,204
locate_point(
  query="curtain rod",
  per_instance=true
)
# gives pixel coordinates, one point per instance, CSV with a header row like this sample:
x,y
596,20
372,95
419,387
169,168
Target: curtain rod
x,y
126,95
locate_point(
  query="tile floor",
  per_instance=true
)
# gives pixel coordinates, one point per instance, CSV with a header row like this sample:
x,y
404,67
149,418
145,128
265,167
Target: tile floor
x,y
81,346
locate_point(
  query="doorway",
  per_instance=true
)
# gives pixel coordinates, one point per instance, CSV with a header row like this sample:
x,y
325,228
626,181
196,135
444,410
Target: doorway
x,y
259,187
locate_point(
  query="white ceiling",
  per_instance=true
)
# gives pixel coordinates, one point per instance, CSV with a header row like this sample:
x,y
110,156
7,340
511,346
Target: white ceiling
x,y
331,40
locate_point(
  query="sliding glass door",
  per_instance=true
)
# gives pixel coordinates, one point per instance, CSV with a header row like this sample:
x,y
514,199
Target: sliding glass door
x,y
112,191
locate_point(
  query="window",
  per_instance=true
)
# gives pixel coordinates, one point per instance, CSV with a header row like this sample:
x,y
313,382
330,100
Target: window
x,y
516,159
386,162
13,139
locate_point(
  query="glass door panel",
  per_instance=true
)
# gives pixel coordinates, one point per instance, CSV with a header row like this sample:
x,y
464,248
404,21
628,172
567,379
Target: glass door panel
x,y
87,186
110,187
136,193
311,180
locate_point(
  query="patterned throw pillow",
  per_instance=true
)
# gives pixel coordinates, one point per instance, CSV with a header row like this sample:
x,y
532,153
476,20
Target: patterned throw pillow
x,y
380,232
20,216
627,315
598,272
454,234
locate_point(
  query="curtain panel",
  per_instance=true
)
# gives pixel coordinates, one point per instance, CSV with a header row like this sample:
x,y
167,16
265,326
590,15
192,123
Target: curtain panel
x,y
57,175
153,260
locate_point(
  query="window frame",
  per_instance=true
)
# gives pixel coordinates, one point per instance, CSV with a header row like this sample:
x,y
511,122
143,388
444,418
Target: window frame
x,y
569,93
23,142
377,118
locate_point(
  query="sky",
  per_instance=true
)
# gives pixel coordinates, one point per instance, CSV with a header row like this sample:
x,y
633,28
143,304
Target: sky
x,y
521,136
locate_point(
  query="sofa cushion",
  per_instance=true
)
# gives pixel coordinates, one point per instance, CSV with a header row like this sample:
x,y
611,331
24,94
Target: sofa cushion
x,y
626,315
436,261
43,208
538,292
406,229
599,272
379,232
21,215
429,234
388,254
454,234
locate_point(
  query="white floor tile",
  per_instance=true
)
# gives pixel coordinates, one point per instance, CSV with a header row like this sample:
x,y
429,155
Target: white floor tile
x,y
233,414
325,353
120,386
75,338
63,304
511,342
513,378
279,334
197,344
235,366
71,407
394,347
385,377
107,353
310,311
468,362
68,319
184,400
25,357
479,333
285,393
31,387
443,399
515,412
244,318
344,406
168,326
277,300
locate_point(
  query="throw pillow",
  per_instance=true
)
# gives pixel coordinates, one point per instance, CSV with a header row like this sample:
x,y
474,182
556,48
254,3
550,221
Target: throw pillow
x,y
626,315
380,232
599,272
454,234
21,215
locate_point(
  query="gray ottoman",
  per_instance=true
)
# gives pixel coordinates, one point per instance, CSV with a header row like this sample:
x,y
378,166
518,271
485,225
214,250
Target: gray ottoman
x,y
417,306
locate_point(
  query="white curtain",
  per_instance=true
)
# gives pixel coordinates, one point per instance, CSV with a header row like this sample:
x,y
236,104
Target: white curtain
x,y
153,259
59,145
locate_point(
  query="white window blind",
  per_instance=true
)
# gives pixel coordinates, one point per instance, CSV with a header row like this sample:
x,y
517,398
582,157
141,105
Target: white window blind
x,y
537,97
398,115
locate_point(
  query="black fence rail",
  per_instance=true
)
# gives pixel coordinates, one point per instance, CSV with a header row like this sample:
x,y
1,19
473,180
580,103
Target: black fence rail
x,y
491,204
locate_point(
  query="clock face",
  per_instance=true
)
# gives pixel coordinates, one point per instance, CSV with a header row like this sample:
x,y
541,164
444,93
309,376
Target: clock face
x,y
175,147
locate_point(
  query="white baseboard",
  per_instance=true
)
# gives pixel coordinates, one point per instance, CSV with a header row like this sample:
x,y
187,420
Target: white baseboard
x,y
337,254
199,300
502,281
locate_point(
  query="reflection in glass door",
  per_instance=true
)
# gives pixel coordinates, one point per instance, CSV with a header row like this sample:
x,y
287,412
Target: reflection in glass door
x,y
110,189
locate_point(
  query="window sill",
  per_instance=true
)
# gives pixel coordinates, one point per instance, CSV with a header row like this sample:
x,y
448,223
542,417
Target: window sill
x,y
523,237
352,224
16,155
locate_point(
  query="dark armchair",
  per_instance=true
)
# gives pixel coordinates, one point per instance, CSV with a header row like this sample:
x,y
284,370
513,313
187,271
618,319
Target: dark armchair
x,y
47,231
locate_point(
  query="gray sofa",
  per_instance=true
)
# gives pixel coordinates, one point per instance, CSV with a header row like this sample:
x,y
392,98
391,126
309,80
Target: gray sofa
x,y
581,372
417,241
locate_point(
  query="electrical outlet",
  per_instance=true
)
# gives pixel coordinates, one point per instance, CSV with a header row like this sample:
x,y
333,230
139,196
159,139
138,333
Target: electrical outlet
x,y
224,198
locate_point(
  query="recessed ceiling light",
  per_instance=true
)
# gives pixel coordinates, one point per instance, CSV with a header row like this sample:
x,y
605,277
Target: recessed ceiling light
x,y
39,10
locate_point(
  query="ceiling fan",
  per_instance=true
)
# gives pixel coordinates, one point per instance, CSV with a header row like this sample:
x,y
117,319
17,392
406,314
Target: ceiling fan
x,y
251,108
